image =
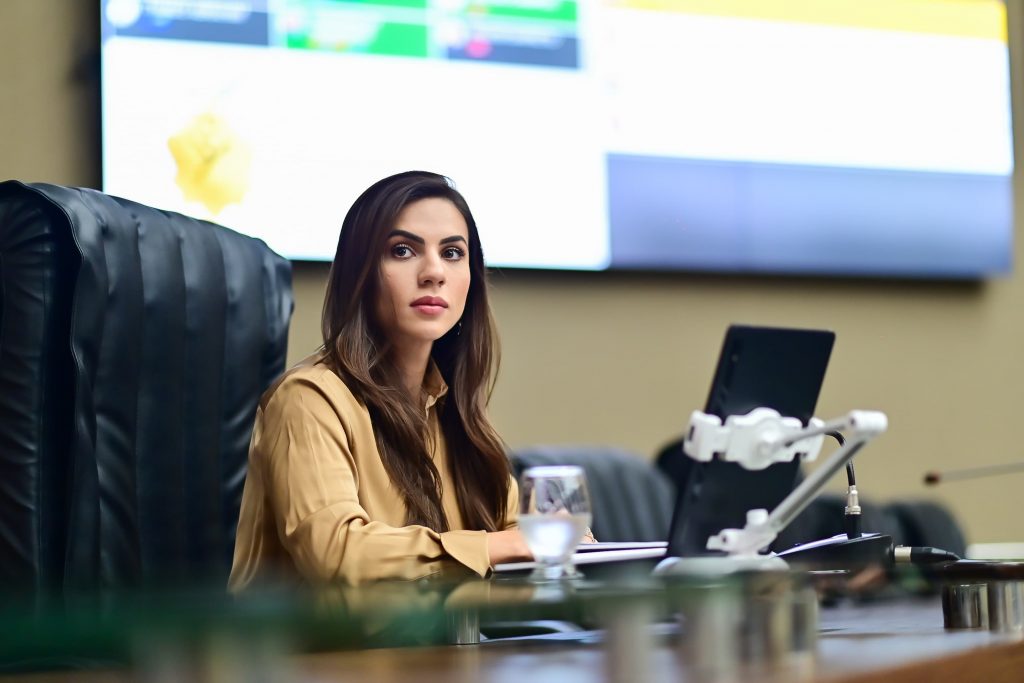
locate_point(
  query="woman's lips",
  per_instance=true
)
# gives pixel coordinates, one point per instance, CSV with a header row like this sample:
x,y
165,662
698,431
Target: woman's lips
x,y
429,309
430,305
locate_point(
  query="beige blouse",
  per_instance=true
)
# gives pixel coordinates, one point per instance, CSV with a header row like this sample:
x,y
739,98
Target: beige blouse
x,y
318,504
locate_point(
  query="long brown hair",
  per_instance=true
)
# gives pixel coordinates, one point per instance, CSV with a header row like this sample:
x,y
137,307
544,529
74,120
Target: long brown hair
x,y
467,357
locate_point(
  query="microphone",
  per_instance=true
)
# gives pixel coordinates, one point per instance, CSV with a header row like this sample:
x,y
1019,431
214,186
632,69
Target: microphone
x,y
934,478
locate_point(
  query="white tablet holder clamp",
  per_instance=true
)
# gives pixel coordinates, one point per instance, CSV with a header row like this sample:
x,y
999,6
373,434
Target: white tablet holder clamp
x,y
755,441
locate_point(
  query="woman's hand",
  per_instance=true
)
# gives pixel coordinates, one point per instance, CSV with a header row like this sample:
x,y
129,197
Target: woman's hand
x,y
507,546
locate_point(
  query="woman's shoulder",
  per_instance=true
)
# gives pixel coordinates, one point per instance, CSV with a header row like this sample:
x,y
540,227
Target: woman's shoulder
x,y
311,406
311,380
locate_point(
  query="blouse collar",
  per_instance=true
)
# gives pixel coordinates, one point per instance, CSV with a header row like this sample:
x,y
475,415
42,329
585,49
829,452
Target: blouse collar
x,y
433,384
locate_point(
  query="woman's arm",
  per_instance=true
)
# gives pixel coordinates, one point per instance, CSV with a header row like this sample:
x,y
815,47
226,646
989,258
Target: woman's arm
x,y
304,454
507,546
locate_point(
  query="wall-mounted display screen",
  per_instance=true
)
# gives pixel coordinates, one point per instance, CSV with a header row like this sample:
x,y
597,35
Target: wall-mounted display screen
x,y
852,137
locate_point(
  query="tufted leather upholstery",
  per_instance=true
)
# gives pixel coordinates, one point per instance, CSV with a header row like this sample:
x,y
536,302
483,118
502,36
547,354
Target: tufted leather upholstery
x,y
630,499
134,346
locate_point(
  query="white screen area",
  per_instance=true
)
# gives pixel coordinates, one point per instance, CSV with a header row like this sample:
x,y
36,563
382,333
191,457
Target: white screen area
x,y
865,138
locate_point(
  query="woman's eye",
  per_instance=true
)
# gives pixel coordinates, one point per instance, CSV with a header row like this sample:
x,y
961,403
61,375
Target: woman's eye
x,y
453,253
401,251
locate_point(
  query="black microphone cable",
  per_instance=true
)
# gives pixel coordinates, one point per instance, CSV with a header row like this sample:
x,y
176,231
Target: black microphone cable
x,y
852,524
921,554
901,554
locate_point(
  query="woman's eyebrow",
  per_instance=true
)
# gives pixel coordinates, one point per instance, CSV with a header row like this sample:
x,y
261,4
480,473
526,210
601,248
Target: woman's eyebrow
x,y
407,235
412,237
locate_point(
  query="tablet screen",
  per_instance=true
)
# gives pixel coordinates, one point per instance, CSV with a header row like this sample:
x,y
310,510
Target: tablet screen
x,y
768,367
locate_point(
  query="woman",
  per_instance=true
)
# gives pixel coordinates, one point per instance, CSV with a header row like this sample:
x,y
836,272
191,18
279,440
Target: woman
x,y
374,458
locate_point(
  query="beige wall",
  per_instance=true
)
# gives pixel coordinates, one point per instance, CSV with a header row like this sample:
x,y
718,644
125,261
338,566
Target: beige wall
x,y
622,359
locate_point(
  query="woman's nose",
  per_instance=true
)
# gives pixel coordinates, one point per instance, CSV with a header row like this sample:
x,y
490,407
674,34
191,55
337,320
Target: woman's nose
x,y
432,270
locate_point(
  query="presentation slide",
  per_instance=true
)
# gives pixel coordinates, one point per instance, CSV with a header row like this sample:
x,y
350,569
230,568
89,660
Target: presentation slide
x,y
848,137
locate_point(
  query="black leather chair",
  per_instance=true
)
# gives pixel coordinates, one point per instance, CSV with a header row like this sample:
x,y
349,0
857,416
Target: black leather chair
x,y
630,499
134,346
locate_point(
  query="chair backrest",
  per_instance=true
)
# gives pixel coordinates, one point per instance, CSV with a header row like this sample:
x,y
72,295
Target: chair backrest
x,y
630,499
134,346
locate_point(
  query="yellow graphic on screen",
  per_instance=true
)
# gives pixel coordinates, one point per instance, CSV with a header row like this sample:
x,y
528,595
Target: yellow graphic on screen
x,y
213,162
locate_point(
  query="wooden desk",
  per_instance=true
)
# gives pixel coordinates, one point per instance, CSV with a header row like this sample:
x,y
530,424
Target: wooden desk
x,y
896,642
902,642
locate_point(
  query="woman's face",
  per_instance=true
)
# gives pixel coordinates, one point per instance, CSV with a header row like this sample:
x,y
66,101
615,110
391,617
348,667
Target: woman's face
x,y
424,273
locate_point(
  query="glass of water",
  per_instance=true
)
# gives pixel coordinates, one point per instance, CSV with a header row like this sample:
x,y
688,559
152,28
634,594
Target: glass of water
x,y
554,514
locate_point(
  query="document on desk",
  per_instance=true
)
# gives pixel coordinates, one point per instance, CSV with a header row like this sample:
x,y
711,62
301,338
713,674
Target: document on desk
x,y
602,553
601,546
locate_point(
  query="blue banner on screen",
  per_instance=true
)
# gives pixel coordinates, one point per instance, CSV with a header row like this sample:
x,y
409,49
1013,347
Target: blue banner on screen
x,y
848,137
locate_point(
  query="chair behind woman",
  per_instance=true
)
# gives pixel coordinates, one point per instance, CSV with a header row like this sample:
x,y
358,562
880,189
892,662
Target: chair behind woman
x,y
630,499
134,346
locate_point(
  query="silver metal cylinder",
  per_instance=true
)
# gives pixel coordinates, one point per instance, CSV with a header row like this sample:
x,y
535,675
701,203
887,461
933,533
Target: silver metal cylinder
x,y
712,621
464,627
628,641
805,622
751,627
964,605
1006,606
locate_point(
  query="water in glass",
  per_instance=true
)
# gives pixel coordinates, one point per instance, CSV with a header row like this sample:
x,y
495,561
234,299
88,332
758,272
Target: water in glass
x,y
554,514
